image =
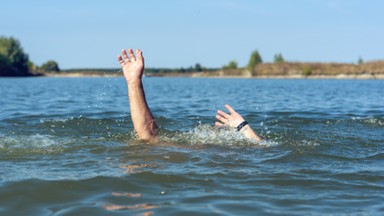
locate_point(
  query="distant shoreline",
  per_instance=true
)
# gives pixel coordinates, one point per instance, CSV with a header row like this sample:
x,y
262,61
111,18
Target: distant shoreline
x,y
203,75
283,70
79,74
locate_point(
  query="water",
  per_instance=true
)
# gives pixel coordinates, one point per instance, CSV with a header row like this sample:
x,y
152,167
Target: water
x,y
67,148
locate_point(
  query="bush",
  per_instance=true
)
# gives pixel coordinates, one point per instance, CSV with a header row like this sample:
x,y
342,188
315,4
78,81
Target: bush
x,y
278,58
13,60
50,66
231,65
307,71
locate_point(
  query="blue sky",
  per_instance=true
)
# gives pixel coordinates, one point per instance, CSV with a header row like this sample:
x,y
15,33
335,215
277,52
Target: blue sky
x,y
180,33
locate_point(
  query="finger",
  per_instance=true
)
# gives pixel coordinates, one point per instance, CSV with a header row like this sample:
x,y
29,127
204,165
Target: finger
x,y
225,115
120,59
230,109
218,124
130,51
124,52
221,118
139,55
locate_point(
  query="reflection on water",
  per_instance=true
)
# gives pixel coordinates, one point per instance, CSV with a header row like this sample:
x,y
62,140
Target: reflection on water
x,y
143,206
67,147
135,168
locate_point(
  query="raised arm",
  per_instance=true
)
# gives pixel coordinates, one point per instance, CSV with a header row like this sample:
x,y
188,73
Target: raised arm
x,y
142,118
235,120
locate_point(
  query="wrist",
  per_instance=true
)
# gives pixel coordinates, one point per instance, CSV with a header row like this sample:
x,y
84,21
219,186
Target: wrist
x,y
134,81
245,128
242,125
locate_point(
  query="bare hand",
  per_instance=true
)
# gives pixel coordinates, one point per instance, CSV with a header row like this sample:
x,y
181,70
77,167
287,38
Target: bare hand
x,y
233,119
132,66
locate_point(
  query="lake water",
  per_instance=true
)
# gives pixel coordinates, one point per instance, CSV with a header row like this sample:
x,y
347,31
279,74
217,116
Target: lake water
x,y
67,148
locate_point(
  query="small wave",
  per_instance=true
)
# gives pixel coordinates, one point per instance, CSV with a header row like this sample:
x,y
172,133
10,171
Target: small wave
x,y
78,121
370,121
378,156
308,143
30,144
205,134
84,126
61,120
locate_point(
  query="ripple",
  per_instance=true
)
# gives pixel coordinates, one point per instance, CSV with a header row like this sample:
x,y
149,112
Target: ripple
x,y
74,152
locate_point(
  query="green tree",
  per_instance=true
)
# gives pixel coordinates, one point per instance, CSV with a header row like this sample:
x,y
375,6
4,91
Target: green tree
x,y
198,67
254,60
360,60
13,60
231,65
6,68
50,66
278,58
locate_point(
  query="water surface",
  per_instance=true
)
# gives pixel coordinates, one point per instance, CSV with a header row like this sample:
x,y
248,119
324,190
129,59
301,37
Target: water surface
x,y
67,148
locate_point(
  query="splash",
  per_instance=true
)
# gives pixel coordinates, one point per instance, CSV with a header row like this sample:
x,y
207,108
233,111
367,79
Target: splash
x,y
205,134
374,121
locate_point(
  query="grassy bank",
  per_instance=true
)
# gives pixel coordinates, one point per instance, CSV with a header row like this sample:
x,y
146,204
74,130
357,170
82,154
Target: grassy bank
x,y
318,69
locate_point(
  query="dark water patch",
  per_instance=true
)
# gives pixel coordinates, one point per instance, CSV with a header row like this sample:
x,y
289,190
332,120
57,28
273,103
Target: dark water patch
x,y
51,197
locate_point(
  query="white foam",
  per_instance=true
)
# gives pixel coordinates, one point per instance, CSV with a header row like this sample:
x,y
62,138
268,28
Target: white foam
x,y
60,120
370,120
374,121
207,134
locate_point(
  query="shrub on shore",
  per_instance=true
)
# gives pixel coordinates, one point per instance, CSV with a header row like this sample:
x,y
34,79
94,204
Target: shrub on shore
x,y
13,60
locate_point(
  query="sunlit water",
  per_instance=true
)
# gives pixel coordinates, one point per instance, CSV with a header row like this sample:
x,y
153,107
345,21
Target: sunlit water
x,y
67,148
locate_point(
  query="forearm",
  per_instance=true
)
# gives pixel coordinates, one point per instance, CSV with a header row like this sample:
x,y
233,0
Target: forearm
x,y
248,132
142,118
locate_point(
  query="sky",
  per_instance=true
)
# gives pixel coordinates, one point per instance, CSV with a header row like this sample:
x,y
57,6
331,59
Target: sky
x,y
181,33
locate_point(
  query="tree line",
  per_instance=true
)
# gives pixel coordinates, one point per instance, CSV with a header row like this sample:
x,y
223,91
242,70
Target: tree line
x,y
15,62
254,60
